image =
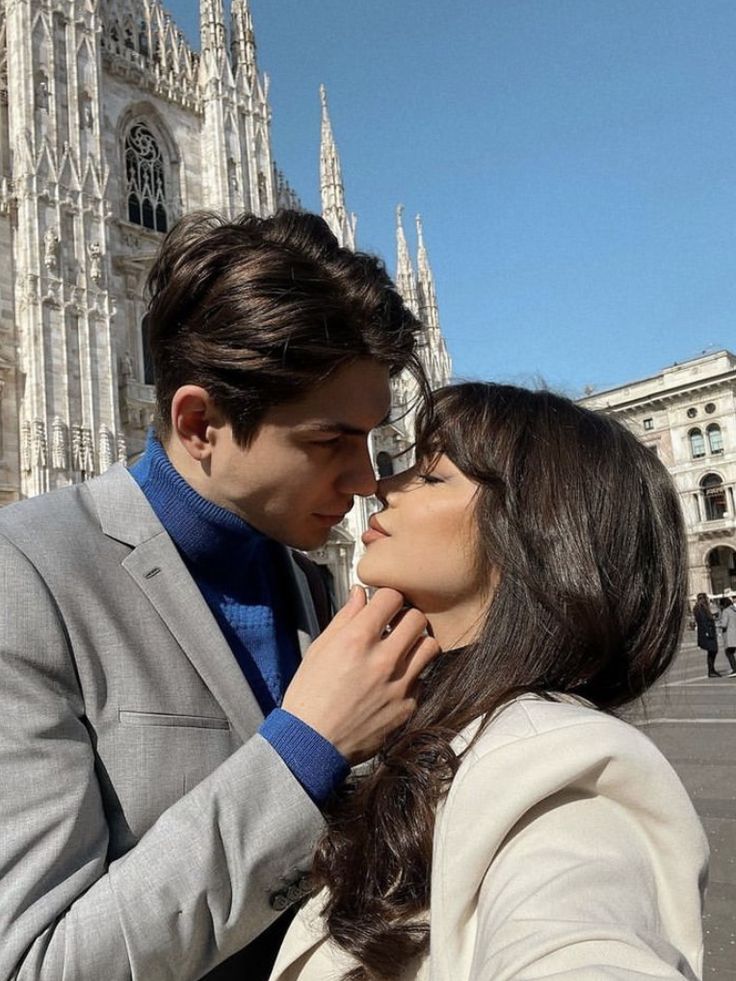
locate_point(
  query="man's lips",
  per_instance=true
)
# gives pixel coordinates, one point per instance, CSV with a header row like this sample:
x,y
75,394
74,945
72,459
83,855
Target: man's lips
x,y
330,519
374,532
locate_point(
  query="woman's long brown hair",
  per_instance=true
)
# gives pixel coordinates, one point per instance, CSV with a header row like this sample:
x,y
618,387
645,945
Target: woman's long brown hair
x,y
584,525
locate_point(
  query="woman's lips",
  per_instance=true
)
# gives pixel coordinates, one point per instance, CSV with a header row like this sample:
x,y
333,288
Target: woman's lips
x,y
374,532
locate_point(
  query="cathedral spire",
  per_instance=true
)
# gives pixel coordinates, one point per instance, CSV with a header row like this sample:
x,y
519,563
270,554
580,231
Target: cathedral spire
x,y
405,279
212,37
334,211
243,41
426,294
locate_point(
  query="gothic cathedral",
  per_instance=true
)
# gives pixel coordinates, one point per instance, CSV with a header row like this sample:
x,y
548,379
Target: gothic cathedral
x,y
112,127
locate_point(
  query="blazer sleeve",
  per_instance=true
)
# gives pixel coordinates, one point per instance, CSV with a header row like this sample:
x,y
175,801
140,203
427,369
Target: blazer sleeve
x,y
198,885
593,868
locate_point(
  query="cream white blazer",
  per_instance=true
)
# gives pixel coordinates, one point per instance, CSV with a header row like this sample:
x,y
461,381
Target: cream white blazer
x,y
567,848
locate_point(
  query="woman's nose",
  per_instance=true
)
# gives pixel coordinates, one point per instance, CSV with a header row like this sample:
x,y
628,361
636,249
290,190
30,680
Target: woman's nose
x,y
387,485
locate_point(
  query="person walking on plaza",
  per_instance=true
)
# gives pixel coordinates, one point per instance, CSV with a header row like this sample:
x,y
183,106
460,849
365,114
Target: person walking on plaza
x,y
706,638
164,758
728,626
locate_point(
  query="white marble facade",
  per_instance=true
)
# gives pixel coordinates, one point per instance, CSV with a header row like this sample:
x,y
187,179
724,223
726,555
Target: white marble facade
x,y
112,127
686,414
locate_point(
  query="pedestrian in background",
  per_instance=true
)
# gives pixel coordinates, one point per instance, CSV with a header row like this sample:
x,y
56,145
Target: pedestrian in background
x,y
728,626
707,640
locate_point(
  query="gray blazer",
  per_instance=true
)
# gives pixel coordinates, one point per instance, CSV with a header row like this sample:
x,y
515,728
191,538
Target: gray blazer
x,y
146,831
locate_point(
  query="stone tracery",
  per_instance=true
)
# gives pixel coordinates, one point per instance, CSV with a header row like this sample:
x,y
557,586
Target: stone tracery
x,y
145,179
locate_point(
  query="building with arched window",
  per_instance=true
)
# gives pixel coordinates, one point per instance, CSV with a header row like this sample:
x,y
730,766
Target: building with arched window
x,y
687,416
111,127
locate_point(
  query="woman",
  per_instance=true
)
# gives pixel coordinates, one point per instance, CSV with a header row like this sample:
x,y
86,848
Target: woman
x,y
706,637
515,828
728,626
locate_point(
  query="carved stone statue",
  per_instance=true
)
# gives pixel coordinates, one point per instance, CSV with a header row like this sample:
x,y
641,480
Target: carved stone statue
x,y
87,117
95,264
51,248
42,93
126,368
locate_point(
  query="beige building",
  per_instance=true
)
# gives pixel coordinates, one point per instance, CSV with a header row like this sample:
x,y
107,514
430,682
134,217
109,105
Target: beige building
x,y
111,128
686,414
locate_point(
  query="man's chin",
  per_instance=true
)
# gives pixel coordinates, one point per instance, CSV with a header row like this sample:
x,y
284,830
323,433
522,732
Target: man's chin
x,y
310,541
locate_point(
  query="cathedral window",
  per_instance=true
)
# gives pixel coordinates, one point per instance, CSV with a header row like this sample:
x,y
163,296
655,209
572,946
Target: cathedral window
x,y
385,465
697,443
144,171
714,497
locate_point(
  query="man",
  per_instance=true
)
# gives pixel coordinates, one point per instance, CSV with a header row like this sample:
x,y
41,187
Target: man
x,y
158,806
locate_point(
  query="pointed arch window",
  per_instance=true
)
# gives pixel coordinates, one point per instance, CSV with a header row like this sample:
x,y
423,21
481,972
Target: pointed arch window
x,y
715,438
714,497
697,443
146,182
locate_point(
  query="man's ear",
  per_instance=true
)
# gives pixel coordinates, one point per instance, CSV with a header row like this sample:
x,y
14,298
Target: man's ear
x,y
194,421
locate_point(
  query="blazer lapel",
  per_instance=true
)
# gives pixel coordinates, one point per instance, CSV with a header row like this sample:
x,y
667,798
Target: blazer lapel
x,y
157,568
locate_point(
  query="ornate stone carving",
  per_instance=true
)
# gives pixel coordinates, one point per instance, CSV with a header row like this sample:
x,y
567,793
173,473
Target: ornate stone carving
x,y
77,448
25,446
6,196
59,444
87,453
106,449
39,453
122,451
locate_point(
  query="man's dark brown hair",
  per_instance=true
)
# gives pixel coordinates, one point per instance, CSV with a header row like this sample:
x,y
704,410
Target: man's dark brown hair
x,y
258,311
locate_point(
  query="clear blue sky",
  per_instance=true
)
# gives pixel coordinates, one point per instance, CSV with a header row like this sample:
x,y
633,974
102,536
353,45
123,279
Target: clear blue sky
x,y
574,162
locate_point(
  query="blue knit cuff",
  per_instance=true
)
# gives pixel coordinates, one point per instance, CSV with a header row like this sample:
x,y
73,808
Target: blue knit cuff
x,y
314,761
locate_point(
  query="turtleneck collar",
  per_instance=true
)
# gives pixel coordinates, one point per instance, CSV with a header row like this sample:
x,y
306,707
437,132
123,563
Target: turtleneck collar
x,y
204,532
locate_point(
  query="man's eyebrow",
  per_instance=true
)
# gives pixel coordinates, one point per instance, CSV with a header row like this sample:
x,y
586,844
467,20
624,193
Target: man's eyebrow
x,y
343,428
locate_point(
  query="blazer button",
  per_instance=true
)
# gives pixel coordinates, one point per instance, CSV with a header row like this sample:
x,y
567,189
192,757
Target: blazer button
x,y
279,901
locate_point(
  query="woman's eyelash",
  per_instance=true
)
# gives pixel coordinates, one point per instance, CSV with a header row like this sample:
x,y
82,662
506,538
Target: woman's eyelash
x,y
427,478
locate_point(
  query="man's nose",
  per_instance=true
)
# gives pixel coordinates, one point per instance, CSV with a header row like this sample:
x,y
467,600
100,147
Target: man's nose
x,y
359,477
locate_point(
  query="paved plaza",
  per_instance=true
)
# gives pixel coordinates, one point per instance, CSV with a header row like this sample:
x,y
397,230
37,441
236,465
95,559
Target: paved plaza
x,y
692,718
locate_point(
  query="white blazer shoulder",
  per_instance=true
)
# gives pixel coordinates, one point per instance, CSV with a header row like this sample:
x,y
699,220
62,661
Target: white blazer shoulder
x,y
566,848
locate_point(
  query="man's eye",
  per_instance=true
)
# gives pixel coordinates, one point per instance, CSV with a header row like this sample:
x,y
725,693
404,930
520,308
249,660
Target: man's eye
x,y
327,442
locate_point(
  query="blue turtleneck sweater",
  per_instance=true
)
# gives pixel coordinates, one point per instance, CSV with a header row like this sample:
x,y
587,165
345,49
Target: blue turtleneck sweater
x,y
244,578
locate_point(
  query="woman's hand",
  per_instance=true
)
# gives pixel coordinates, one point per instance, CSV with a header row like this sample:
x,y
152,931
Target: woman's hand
x,y
355,684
